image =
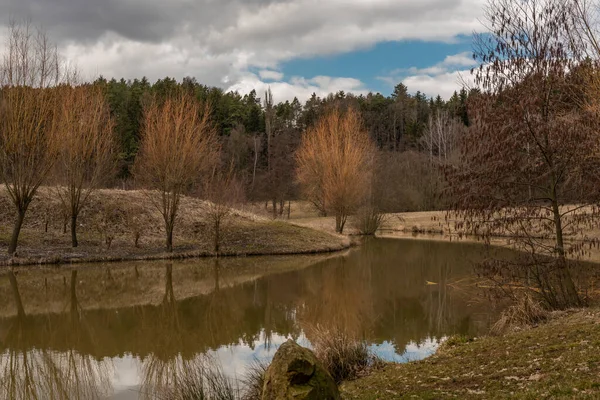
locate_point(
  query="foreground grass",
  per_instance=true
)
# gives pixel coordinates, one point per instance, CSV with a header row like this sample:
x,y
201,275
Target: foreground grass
x,y
559,359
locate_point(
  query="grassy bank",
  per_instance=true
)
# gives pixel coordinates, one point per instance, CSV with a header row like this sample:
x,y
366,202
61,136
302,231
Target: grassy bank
x,y
558,359
120,225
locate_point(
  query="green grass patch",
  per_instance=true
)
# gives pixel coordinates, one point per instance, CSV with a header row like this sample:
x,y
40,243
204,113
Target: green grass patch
x,y
558,359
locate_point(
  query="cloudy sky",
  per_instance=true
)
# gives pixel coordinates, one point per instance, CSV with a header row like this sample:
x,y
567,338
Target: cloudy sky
x,y
296,47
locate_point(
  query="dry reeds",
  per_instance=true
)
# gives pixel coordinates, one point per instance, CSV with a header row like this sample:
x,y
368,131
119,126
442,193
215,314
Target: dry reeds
x,y
368,220
526,311
345,357
254,379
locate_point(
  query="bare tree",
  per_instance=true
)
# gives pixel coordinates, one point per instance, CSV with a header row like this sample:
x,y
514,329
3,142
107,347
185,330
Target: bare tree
x,y
335,164
27,110
532,150
441,135
222,190
86,147
178,143
269,131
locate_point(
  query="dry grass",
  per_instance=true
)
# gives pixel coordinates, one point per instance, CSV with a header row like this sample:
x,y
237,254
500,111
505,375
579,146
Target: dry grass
x,y
345,357
200,379
526,312
119,225
254,379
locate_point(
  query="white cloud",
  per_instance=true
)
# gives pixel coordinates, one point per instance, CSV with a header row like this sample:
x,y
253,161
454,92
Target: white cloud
x,y
464,59
220,41
299,87
443,84
441,79
270,75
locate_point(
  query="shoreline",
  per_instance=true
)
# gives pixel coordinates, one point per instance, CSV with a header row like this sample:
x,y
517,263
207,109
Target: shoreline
x,y
59,260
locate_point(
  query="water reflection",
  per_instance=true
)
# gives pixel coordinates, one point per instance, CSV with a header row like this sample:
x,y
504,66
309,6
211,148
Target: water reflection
x,y
140,330
32,372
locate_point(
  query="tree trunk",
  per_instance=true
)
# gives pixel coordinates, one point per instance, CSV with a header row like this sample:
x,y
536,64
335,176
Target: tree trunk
x,y
12,248
255,162
169,229
74,242
340,221
274,201
567,286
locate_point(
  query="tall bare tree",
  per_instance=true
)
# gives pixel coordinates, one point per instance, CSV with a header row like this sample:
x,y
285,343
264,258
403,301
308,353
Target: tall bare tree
x,y
335,164
86,147
178,144
28,147
269,132
533,149
441,135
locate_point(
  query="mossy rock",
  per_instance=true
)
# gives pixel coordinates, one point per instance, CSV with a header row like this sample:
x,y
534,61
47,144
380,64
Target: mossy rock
x,y
295,373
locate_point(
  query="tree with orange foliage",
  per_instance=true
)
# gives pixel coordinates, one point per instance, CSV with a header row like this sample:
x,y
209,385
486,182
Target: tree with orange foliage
x,y
28,147
86,147
178,144
335,164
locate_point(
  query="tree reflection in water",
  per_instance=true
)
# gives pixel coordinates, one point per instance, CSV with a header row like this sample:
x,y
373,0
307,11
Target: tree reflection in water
x,y
42,373
171,374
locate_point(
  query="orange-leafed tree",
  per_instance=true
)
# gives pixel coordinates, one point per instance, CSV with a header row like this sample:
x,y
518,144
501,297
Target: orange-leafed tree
x,y
335,164
178,145
28,146
86,147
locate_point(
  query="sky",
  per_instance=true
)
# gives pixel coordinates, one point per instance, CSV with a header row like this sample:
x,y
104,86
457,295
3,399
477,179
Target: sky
x,y
295,47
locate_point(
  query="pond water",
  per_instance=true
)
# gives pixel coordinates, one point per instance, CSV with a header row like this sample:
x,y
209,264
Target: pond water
x,y
121,331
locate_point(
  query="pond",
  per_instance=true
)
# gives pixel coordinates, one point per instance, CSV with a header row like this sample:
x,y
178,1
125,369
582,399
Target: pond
x,y
121,331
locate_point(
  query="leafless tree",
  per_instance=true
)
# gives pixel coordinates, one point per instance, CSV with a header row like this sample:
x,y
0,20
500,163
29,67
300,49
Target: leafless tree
x,y
28,145
222,190
178,143
86,147
335,164
530,161
441,135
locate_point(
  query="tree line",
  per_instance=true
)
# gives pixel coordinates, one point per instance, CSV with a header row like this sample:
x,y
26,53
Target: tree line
x,y
258,134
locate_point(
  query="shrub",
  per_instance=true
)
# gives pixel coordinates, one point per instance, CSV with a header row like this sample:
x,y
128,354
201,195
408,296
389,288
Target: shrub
x,y
526,311
345,357
368,220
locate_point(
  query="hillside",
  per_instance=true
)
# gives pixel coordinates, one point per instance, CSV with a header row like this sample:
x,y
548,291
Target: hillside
x,y
112,220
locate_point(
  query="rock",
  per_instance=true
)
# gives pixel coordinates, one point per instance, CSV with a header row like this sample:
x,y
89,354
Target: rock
x,y
296,374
